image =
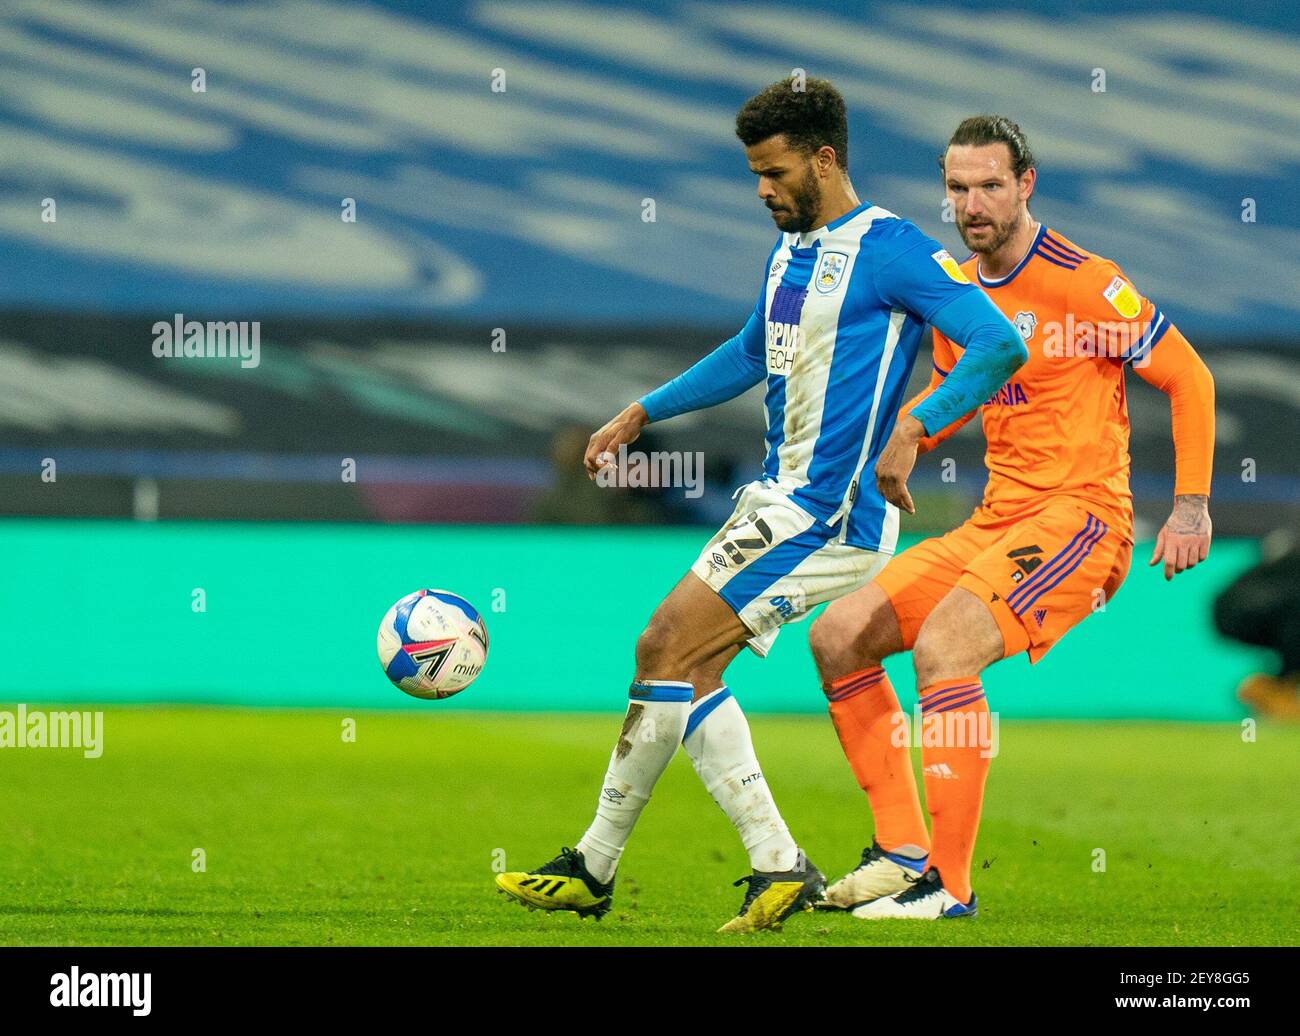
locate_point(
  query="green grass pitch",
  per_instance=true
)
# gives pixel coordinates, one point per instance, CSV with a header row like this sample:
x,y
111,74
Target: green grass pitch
x,y
393,839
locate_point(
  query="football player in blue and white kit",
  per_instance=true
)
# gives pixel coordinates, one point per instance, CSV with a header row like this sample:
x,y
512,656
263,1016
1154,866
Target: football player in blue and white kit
x,y
846,292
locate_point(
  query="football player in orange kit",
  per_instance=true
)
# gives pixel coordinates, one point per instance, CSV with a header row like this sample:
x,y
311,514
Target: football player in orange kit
x,y
1050,542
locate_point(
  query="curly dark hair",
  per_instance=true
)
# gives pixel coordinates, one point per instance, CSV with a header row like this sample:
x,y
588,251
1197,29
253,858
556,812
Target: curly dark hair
x,y
979,130
811,118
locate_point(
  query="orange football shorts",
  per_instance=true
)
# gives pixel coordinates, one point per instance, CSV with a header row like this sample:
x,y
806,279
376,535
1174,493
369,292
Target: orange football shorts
x,y
1040,574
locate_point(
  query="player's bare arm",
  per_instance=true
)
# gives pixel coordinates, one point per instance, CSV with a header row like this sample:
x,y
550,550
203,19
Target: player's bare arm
x,y
1184,540
622,430
896,462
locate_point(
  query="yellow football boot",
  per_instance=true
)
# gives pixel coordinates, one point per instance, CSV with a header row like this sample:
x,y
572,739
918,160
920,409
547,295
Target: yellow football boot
x,y
773,896
563,884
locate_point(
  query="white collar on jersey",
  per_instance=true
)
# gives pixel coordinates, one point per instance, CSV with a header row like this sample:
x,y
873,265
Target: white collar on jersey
x,y
807,238
993,282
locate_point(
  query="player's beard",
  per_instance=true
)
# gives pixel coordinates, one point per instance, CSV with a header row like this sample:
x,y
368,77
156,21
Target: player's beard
x,y
1000,235
805,203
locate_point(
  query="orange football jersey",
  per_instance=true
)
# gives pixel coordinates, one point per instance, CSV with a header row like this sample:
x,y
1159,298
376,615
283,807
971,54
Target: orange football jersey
x,y
1060,426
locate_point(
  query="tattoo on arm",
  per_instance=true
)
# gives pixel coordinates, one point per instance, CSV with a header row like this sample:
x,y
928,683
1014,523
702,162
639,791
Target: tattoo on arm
x,y
1191,515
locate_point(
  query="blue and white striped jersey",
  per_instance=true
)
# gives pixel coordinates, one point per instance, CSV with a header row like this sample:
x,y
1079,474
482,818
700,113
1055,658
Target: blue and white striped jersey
x,y
838,324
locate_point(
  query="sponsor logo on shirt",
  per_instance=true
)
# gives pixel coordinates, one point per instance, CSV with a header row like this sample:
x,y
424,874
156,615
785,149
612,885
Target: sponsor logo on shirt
x,y
1010,394
1120,294
782,344
949,266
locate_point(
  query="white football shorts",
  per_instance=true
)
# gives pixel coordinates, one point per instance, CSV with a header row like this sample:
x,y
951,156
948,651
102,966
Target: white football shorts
x,y
773,563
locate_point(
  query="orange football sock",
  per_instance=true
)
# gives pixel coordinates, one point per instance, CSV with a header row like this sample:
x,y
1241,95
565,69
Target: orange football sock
x,y
955,748
871,726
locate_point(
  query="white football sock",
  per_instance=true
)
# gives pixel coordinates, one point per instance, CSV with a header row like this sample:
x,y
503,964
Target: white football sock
x,y
718,742
652,730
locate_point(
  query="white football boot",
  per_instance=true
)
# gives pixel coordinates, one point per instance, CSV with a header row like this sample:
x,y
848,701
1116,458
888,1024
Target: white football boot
x,y
879,874
926,900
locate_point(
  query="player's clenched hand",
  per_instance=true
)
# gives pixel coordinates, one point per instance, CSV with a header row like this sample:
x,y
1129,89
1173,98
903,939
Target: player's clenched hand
x,y
897,460
1185,538
621,431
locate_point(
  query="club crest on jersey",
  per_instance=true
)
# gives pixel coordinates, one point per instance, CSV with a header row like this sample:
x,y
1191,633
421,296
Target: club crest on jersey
x,y
949,266
830,271
1025,323
1120,294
